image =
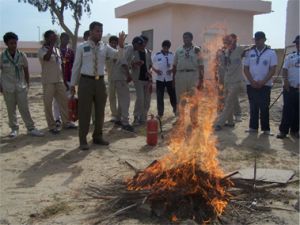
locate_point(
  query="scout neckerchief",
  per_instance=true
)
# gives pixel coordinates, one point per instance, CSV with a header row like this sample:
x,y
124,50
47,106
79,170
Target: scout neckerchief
x,y
167,58
187,51
259,54
14,62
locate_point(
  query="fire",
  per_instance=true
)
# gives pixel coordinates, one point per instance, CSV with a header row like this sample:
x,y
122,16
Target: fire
x,y
190,175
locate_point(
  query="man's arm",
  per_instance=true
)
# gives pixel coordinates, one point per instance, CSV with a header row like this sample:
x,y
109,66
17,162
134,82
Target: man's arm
x,y
286,84
47,56
253,83
76,69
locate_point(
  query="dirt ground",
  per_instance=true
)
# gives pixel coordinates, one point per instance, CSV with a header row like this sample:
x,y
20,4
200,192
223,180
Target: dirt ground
x,y
43,180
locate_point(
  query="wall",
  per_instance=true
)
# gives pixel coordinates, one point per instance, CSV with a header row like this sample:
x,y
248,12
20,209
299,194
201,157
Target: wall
x,y
292,21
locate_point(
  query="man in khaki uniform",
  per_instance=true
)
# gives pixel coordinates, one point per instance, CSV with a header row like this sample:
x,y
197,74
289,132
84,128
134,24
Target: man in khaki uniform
x,y
112,91
188,67
233,81
53,83
14,84
88,72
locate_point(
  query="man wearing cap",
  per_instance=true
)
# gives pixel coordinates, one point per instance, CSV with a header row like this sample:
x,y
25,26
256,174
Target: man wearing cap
x,y
290,113
188,67
88,72
259,68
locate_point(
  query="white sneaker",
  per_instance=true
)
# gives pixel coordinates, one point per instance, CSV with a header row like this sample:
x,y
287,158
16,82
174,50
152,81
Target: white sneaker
x,y
36,133
267,132
13,134
251,130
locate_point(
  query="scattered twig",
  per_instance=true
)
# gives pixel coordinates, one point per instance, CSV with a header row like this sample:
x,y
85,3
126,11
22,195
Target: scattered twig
x,y
230,175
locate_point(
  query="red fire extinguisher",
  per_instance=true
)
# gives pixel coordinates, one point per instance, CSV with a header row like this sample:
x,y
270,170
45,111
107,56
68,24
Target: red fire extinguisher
x,y
73,108
152,131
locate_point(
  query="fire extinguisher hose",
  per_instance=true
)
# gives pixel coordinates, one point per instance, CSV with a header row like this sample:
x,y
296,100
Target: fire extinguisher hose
x,y
160,127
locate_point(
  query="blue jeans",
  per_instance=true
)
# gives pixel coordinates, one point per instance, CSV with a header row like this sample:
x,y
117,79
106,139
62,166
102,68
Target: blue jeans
x,y
259,100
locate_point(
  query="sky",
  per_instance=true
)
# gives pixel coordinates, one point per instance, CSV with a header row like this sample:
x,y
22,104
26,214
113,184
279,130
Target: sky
x,y
29,24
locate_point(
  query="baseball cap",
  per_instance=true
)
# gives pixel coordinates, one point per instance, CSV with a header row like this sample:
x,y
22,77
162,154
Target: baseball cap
x,y
259,35
137,40
296,39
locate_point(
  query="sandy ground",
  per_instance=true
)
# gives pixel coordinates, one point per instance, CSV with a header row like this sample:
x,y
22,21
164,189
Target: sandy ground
x,y
43,179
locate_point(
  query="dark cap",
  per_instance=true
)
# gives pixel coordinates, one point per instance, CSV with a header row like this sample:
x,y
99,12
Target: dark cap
x,y
137,40
259,35
296,39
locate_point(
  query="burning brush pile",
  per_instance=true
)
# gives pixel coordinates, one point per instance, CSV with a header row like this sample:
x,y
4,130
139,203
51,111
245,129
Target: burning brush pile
x,y
187,183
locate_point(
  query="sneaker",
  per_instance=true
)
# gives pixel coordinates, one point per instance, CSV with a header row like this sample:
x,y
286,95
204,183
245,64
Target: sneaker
x,y
54,131
238,119
100,141
36,133
13,134
251,130
217,128
113,119
267,132
70,125
281,136
58,123
128,128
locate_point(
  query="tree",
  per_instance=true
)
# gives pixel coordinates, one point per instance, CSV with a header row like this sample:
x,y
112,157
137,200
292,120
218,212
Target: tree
x,y
57,9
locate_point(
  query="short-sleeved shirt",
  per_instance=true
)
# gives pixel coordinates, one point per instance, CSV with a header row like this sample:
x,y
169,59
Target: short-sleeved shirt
x,y
134,56
52,69
188,59
163,62
292,64
12,71
234,65
67,55
85,58
259,63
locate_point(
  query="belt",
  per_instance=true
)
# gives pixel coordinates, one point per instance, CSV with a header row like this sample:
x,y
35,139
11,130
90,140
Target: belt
x,y
92,77
186,70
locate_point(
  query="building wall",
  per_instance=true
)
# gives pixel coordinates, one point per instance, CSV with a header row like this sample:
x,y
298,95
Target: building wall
x,y
292,21
31,50
159,20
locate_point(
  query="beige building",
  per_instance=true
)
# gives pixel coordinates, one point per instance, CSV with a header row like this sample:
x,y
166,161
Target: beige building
x,y
30,48
292,21
168,19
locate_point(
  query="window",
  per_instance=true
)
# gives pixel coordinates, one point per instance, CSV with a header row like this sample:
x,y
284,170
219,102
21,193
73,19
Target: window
x,y
149,35
31,54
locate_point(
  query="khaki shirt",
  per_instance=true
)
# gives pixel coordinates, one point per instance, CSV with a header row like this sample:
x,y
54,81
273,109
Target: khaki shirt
x,y
85,59
234,67
188,60
52,69
10,79
114,68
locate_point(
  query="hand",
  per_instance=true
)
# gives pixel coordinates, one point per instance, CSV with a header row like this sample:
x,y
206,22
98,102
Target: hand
x,y
260,83
138,63
254,84
122,37
169,72
159,72
286,85
72,90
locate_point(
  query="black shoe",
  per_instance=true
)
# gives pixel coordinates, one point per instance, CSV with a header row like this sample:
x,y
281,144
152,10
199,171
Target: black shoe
x,y
217,128
100,141
84,147
57,123
54,131
118,123
128,128
281,135
229,125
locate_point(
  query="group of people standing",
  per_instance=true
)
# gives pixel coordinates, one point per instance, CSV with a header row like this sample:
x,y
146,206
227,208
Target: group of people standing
x,y
179,73
258,64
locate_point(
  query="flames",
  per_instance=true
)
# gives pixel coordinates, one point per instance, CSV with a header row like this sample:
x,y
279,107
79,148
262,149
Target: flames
x,y
190,175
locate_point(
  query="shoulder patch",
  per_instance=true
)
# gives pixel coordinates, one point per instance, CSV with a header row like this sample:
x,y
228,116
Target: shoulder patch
x,y
158,53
